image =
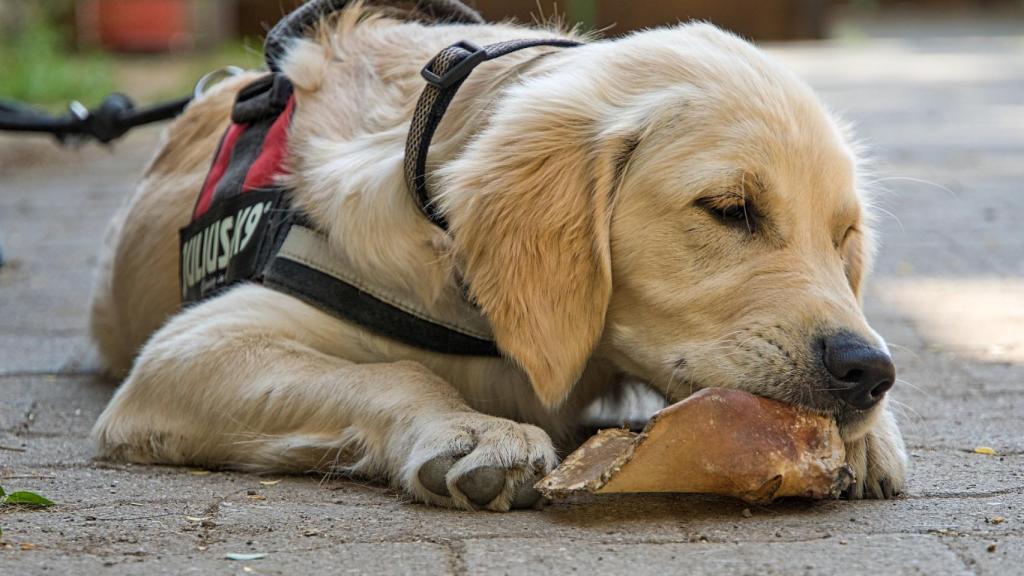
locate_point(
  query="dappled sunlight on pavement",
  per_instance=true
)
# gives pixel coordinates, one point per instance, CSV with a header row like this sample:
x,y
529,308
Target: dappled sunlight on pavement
x,y
981,319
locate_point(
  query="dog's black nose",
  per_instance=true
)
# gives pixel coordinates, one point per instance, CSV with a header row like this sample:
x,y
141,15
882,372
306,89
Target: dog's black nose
x,y
862,373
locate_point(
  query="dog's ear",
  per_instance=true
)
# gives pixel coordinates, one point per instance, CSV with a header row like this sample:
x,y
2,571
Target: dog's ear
x,y
530,206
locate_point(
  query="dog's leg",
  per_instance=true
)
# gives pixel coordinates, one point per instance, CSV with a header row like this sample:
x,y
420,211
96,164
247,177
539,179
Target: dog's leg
x,y
243,381
878,459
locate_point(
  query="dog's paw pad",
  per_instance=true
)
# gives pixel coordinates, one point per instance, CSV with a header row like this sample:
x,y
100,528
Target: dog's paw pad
x,y
482,485
480,462
527,496
432,474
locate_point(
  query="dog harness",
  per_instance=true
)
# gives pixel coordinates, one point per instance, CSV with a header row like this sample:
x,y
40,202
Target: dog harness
x,y
244,228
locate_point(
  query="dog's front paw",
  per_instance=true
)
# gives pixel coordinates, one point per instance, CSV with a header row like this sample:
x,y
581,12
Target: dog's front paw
x,y
477,461
879,461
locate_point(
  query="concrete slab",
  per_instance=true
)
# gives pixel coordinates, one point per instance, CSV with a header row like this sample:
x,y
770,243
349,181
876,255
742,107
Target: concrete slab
x,y
858,555
51,404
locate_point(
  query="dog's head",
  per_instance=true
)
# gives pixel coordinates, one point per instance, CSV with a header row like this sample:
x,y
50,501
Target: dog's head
x,y
677,203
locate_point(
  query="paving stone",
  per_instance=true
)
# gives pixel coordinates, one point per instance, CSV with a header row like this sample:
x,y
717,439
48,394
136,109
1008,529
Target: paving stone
x,y
52,404
43,452
945,472
386,558
990,556
39,353
867,555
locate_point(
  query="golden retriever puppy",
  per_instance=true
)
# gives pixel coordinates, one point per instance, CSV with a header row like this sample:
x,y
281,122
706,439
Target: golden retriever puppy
x,y
672,206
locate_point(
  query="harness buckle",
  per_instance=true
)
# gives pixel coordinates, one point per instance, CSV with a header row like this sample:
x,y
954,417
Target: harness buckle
x,y
459,71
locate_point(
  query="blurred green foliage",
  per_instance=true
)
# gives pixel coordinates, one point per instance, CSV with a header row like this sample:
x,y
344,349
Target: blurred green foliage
x,y
38,66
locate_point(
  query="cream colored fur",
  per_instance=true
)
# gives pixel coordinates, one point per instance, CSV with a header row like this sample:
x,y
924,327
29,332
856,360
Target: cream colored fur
x,y
573,181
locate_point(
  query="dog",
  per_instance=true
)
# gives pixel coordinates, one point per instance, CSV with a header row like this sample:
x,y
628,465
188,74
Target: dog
x,y
671,206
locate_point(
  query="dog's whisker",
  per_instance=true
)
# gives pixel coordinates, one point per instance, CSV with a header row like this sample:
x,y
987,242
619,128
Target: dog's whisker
x,y
916,181
904,408
893,216
910,351
913,386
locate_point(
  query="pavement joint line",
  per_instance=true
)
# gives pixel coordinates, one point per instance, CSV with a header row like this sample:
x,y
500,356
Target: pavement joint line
x,y
57,374
73,508
963,495
45,332
958,554
35,435
456,554
932,533
934,448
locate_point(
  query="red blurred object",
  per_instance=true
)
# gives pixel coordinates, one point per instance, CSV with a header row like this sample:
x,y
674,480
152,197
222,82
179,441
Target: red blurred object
x,y
144,25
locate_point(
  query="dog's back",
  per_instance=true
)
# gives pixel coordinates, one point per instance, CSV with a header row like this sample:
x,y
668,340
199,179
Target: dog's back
x,y
365,71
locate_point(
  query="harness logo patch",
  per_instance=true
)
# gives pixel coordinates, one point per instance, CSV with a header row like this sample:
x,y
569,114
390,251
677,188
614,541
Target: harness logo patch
x,y
224,246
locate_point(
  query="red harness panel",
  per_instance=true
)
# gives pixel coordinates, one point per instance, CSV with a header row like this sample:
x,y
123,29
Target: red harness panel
x,y
270,163
261,172
242,211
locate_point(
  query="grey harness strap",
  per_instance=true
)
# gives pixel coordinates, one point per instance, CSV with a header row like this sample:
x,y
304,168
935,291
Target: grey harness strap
x,y
305,267
445,74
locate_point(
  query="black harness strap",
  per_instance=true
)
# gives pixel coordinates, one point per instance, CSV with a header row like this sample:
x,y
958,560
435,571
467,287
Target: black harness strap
x,y
304,267
295,24
445,74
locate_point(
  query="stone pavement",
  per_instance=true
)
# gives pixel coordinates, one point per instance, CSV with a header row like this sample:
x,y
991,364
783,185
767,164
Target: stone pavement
x,y
944,119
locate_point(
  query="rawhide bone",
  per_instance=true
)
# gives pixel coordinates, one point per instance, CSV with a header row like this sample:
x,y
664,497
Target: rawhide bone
x,y
717,441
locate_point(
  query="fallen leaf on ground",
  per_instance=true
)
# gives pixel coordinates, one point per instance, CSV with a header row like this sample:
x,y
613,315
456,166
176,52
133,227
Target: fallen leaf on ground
x,y
256,497
244,557
984,450
269,482
27,546
196,518
27,499
996,520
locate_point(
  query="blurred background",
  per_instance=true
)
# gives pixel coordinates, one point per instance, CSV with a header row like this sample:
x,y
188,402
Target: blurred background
x,y
52,51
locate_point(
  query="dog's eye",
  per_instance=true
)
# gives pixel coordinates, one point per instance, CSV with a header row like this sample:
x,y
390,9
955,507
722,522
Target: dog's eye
x,y
846,235
737,213
730,213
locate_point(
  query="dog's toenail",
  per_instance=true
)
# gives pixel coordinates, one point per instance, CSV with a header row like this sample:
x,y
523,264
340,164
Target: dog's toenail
x,y
481,485
432,474
887,491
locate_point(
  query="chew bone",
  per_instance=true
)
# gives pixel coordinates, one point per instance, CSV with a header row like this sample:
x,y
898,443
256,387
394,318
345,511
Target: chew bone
x,y
717,441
